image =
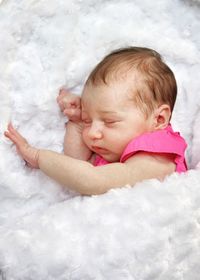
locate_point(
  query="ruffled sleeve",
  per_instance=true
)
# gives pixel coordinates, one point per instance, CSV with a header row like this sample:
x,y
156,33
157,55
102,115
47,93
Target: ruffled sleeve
x,y
161,141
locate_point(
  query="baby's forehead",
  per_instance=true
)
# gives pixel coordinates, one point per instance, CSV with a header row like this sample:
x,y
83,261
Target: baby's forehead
x,y
125,85
107,97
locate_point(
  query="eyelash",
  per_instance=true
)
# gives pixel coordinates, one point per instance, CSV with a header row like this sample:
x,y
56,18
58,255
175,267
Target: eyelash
x,y
106,122
86,121
109,122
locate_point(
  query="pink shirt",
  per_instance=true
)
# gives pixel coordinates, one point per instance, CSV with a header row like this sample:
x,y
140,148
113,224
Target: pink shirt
x,y
160,141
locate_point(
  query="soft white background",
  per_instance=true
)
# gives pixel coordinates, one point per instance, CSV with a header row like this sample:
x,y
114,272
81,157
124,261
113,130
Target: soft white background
x,y
150,231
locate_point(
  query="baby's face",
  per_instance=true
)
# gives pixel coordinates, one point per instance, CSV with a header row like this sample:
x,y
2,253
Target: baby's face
x,y
111,120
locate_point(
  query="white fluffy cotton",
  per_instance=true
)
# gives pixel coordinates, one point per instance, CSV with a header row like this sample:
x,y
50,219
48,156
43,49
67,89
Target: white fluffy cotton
x,y
150,231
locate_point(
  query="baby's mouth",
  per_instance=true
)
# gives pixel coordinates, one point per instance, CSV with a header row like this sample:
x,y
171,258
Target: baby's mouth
x,y
99,150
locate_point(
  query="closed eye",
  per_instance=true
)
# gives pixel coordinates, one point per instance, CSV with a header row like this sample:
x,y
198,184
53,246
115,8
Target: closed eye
x,y
111,122
86,121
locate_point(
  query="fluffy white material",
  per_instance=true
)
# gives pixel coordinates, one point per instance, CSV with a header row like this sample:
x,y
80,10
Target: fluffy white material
x,y
150,231
196,140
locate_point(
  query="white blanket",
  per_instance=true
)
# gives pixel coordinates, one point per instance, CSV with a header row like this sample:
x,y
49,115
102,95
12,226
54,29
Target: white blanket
x,y
149,231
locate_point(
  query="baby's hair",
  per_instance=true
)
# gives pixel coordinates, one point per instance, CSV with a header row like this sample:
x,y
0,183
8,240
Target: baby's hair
x,y
158,82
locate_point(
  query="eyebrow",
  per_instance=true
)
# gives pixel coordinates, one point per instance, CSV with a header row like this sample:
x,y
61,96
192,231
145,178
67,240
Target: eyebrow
x,y
108,112
102,111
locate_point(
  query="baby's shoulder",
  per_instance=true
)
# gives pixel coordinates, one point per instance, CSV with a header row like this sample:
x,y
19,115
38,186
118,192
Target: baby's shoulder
x,y
159,141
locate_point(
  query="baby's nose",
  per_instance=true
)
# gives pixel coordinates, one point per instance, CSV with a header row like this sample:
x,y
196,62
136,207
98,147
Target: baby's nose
x,y
95,132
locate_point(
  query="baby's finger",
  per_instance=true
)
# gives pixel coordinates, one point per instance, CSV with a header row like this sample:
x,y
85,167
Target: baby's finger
x,y
73,114
61,105
15,136
59,98
63,91
13,131
11,137
76,103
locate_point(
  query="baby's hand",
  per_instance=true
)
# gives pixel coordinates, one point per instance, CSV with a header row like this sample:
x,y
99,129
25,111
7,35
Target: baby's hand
x,y
70,105
28,153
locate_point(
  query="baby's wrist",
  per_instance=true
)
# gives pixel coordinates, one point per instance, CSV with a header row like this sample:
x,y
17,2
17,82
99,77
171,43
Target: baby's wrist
x,y
32,157
37,158
78,125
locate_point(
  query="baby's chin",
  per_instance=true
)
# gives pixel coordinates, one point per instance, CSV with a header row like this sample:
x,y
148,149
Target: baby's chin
x,y
111,158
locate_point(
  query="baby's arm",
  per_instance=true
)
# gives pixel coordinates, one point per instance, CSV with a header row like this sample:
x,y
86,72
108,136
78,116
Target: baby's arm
x,y
86,179
83,177
70,105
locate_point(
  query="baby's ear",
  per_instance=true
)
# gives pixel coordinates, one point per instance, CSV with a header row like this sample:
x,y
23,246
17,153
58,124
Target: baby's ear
x,y
162,116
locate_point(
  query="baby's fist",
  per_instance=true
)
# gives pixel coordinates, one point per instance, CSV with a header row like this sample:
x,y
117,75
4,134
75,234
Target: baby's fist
x,y
70,105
